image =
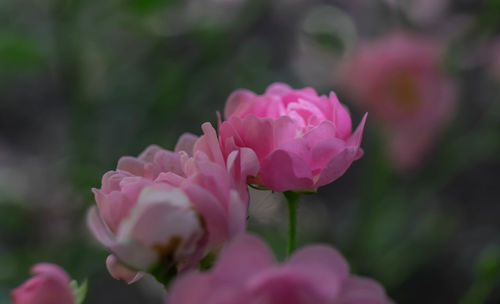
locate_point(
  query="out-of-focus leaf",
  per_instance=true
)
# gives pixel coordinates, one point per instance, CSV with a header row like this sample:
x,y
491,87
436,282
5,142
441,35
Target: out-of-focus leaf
x,y
487,276
79,291
330,28
18,51
148,6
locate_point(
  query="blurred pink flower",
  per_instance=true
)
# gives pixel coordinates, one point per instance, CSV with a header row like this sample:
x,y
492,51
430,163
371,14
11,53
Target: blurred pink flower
x,y
398,80
246,273
302,140
171,207
50,285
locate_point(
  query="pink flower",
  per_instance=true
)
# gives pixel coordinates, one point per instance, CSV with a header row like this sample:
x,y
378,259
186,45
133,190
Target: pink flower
x,y
399,81
302,140
246,273
50,285
171,208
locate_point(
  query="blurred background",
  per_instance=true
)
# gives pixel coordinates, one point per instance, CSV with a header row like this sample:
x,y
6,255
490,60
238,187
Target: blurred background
x,y
85,82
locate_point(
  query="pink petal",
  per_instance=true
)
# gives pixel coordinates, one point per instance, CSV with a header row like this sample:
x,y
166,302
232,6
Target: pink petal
x,y
191,288
337,166
284,129
282,171
209,144
342,121
292,285
51,269
256,133
278,88
355,139
324,151
325,130
244,256
356,290
320,257
238,103
166,161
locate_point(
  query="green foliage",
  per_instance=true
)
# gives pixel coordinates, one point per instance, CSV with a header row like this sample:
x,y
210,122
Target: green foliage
x,y
79,291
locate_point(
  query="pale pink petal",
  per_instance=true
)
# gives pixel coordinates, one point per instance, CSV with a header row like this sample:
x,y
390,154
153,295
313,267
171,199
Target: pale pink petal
x,y
186,143
213,213
100,231
132,165
149,153
161,220
208,143
237,214
120,272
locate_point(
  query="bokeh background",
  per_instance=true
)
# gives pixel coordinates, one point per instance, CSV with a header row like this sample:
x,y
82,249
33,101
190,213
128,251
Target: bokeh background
x,y
85,82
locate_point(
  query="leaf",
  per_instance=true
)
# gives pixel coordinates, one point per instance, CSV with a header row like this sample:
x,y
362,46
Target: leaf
x,y
79,292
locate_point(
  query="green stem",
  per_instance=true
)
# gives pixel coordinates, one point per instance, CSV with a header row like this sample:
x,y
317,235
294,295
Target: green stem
x,y
292,199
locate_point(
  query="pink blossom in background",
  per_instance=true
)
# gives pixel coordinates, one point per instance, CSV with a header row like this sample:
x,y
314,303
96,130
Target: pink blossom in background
x,y
50,284
302,140
398,80
171,207
246,273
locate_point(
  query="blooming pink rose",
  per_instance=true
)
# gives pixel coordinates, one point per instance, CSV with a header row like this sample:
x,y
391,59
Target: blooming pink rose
x,y
171,208
50,285
246,273
302,140
399,81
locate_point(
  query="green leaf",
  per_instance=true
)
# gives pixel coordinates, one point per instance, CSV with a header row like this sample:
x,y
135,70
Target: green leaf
x,y
19,51
79,292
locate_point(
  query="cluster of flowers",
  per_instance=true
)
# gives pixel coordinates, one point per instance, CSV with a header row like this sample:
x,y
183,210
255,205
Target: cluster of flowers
x,y
168,213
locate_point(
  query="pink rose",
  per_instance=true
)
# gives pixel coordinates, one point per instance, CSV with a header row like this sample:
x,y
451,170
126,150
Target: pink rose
x,y
246,273
171,208
302,140
50,285
399,81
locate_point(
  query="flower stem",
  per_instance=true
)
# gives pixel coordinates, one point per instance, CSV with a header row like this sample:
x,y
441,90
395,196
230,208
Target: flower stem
x,y
292,199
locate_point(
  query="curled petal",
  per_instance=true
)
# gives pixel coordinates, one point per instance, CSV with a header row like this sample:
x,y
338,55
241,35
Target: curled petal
x,y
120,272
